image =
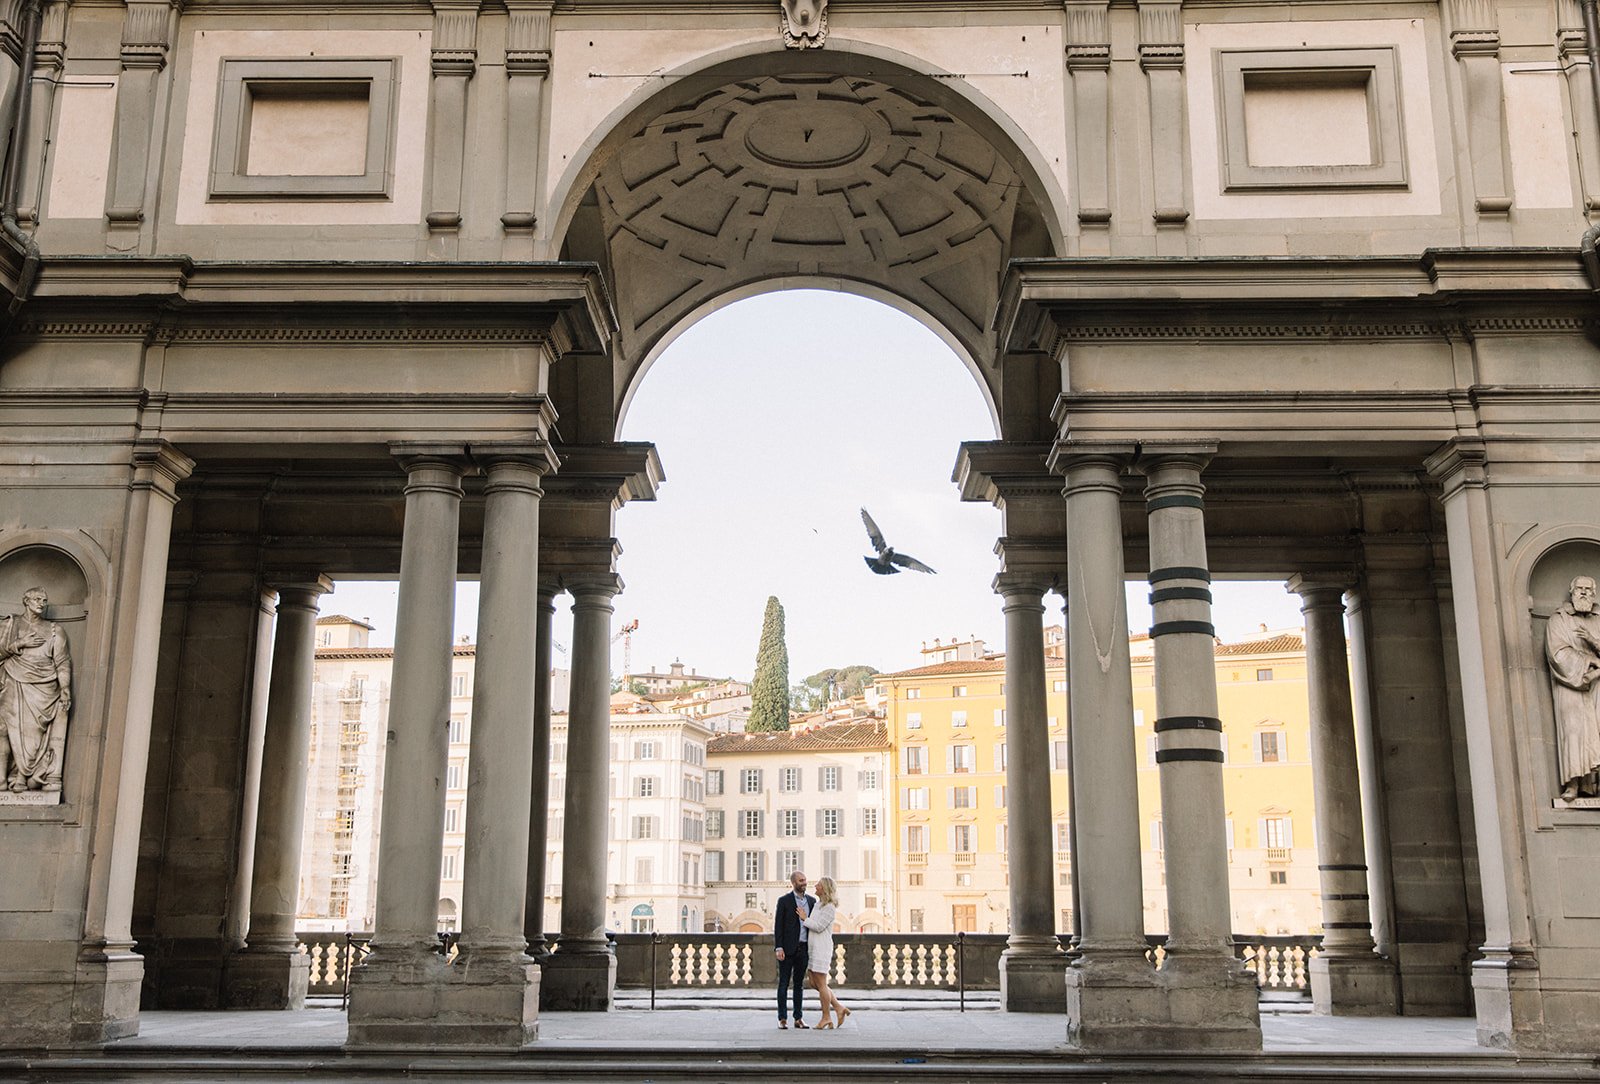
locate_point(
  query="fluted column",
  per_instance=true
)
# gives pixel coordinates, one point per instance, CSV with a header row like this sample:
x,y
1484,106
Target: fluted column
x,y
539,804
1200,963
581,973
1032,968
392,994
271,973
1348,978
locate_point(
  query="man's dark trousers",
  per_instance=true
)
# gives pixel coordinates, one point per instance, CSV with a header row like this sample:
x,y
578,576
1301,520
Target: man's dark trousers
x,y
792,969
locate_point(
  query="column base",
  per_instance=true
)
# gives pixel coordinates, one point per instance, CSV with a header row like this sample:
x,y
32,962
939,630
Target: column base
x,y
1192,1004
89,1006
1033,982
578,981
1435,978
422,1004
266,979
1517,1012
1360,985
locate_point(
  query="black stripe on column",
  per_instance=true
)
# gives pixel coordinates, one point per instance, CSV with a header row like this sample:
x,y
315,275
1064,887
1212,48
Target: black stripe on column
x,y
1176,500
1346,896
1347,925
1346,869
1173,628
1180,572
1214,756
1171,594
1188,722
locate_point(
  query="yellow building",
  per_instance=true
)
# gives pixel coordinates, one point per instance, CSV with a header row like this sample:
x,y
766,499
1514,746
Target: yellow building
x,y
947,732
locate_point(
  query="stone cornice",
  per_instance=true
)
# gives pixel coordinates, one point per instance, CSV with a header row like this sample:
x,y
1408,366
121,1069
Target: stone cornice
x,y
620,472
1045,303
993,471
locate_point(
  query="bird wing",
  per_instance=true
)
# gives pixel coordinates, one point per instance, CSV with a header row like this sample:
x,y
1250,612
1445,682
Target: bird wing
x,y
873,533
907,561
880,566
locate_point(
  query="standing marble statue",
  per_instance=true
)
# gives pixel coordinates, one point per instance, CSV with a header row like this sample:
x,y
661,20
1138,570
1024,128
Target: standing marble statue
x,y
1572,647
35,696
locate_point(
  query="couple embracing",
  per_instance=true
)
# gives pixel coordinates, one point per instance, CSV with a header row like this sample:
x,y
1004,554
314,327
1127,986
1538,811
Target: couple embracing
x,y
803,935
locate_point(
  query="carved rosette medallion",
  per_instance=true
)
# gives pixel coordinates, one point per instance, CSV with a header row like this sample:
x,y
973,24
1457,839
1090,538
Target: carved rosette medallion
x,y
804,23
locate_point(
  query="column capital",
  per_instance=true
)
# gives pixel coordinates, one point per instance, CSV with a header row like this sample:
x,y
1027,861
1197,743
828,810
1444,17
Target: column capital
x,y
1197,454
1091,466
549,588
1024,588
298,588
432,467
592,586
534,454
1461,463
1320,591
158,466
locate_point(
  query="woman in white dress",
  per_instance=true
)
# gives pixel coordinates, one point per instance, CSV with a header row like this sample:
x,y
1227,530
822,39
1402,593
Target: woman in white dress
x,y
819,945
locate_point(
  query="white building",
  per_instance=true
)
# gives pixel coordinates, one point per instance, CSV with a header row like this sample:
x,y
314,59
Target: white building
x,y
815,799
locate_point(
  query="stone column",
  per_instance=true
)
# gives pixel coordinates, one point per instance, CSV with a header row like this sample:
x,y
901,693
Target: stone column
x,y
271,972
1348,978
1032,968
1113,994
1213,997
393,995
539,804
581,974
493,996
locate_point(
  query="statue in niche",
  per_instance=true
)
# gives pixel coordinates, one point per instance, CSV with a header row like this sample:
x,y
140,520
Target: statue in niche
x,y
35,697
1572,649
805,23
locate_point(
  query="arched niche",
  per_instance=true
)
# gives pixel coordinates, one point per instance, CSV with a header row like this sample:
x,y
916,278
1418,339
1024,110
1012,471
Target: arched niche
x,y
1553,573
1549,582
67,588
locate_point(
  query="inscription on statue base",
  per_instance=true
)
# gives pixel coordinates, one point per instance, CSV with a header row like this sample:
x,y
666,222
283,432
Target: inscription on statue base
x,y
30,797
1576,803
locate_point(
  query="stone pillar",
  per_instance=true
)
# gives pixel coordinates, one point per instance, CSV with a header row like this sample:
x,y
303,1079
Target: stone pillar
x,y
581,973
394,995
1113,995
271,972
1348,978
255,745
539,804
1032,968
1413,742
1214,1000
492,1000
1374,814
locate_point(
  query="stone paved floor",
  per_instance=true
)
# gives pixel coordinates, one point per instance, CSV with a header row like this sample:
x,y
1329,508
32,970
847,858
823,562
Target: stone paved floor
x,y
754,1029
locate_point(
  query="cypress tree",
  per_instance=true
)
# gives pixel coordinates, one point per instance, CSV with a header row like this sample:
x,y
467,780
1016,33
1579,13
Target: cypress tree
x,y
769,692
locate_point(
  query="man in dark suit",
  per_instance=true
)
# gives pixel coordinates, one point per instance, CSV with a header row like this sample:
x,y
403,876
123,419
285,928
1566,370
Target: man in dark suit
x,y
789,935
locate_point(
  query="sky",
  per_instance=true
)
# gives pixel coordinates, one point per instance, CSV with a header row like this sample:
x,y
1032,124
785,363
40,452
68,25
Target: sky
x,y
777,419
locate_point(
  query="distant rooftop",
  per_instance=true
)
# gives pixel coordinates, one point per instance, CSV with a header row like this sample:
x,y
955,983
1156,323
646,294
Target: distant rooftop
x,y
863,734
341,619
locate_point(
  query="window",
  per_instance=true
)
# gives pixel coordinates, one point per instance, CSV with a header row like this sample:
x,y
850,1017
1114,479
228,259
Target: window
x,y
916,797
958,690
452,776
963,758
1063,837
266,104
958,718
964,917
961,838
916,760
963,880
791,823
789,862
871,902
645,750
751,865
828,777
713,780
714,865
1263,675
914,880
458,685
1000,796
1270,747
1277,876
829,822
916,838
694,753
869,871
830,862
458,730
1310,118
1276,832
1054,722
913,694
790,780
644,871
1158,840
751,901
963,797
869,822
750,823
999,756
750,781
867,779
714,827
452,818
1002,838
913,720
916,920
1058,756
644,828
447,870
999,716
644,786
1058,686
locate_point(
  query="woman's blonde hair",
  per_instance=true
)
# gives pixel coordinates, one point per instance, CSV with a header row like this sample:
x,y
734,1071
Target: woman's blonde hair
x,y
827,892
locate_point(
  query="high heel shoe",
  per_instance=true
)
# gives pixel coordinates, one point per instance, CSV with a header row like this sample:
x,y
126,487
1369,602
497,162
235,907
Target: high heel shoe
x,y
825,1024
844,1013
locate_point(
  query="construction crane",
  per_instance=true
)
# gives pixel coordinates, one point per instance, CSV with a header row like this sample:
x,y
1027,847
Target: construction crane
x,y
625,634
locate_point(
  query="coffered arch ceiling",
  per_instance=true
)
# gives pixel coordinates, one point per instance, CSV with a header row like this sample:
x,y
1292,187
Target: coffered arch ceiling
x,y
806,175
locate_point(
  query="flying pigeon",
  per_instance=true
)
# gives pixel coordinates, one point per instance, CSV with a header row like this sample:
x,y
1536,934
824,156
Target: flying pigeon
x,y
884,564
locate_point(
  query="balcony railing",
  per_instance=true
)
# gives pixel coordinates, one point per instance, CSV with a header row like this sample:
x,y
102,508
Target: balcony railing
x,y
916,858
1277,854
966,858
861,961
